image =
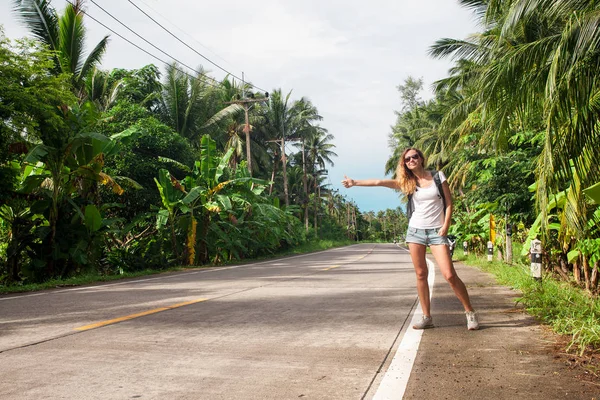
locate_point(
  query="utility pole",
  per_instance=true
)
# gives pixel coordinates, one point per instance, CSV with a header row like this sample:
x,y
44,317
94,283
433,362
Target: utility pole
x,y
244,102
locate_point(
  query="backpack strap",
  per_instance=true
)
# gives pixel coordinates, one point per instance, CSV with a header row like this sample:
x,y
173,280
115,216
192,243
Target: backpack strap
x,y
410,207
440,188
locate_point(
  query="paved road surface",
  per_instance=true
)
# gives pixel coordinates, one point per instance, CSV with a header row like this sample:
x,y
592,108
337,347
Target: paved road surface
x,y
318,326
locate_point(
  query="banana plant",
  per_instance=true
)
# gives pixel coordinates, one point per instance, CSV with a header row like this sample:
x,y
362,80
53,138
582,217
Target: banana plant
x,y
171,194
208,192
212,190
20,222
70,170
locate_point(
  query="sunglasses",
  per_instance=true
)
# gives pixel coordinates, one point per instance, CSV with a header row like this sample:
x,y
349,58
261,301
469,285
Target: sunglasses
x,y
413,157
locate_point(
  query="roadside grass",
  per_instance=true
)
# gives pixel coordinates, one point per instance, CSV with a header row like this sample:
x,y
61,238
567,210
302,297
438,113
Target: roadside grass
x,y
87,279
567,309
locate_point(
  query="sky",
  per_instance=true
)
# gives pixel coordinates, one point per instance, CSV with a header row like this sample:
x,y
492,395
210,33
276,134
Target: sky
x,y
346,56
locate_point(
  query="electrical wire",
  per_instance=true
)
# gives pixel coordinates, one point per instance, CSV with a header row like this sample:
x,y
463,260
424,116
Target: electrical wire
x,y
173,25
145,51
194,50
151,44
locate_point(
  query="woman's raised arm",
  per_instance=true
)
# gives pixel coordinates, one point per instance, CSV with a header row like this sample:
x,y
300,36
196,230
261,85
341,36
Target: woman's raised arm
x,y
390,183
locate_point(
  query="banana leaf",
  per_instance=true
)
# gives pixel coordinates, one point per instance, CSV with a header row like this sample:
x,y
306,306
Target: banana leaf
x,y
593,192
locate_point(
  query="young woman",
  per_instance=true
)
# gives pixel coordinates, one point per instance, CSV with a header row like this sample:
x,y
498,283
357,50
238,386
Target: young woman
x,y
428,226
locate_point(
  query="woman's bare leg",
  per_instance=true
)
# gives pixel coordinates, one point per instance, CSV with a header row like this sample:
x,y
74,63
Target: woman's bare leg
x,y
417,254
444,261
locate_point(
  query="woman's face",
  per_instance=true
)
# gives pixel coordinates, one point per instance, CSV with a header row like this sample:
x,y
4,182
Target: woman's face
x,y
412,159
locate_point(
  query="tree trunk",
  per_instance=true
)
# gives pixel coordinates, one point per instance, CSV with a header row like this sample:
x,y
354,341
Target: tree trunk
x,y
509,249
316,211
499,253
348,220
355,223
586,272
173,238
305,184
576,271
203,249
564,265
247,132
52,222
594,278
190,250
12,256
285,182
273,173
559,270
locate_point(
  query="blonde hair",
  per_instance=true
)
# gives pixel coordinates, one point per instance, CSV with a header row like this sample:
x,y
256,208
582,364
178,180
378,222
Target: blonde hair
x,y
406,180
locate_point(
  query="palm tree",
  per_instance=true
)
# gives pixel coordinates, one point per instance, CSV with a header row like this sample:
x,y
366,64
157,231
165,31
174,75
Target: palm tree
x,y
191,105
101,89
65,34
410,122
278,124
319,153
537,64
139,86
306,115
242,124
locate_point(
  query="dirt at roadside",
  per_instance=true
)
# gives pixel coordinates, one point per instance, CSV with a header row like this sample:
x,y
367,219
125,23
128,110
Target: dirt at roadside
x,y
511,357
586,366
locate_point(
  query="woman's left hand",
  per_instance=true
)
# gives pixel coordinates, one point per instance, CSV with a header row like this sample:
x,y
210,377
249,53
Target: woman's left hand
x,y
347,182
443,231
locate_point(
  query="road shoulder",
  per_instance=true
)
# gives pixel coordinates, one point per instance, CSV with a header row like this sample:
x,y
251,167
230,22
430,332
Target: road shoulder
x,y
511,356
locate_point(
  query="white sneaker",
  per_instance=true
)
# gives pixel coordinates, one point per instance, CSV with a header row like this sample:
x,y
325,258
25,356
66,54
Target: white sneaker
x,y
472,323
424,323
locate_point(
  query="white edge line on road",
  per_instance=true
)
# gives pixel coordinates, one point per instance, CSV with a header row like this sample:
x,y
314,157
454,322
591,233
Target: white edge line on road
x,y
211,269
394,382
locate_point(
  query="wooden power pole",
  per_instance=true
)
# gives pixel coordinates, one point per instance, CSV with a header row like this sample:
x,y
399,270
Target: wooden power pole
x,y
245,103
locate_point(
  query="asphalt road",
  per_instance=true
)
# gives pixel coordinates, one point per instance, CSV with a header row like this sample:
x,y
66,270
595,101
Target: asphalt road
x,y
316,326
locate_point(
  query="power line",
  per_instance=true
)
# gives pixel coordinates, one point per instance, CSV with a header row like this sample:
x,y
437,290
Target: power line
x,y
173,25
191,48
145,51
151,44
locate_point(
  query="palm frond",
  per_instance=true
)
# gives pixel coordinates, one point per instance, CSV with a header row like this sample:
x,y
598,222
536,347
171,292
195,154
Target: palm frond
x,y
41,19
94,58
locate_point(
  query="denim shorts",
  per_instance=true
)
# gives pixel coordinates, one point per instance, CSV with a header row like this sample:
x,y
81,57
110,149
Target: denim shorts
x,y
425,236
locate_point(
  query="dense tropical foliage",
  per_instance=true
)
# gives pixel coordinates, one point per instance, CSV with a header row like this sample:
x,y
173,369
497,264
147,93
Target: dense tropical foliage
x,y
124,170
515,126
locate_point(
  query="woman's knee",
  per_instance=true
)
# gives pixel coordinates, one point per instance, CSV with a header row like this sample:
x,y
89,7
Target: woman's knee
x,y
452,278
422,276
422,273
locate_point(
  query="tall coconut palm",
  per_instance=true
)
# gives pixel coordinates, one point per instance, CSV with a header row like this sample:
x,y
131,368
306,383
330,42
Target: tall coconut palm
x,y
276,127
319,153
191,105
306,116
239,130
65,34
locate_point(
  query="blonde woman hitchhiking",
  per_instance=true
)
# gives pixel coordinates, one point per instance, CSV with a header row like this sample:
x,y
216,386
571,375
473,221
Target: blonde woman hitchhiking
x,y
430,212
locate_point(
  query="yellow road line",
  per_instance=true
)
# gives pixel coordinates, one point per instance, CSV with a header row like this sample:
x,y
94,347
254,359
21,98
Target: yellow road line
x,y
137,315
332,267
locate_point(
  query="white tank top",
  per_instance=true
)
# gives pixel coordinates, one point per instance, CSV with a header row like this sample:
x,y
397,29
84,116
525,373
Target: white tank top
x,y
429,206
